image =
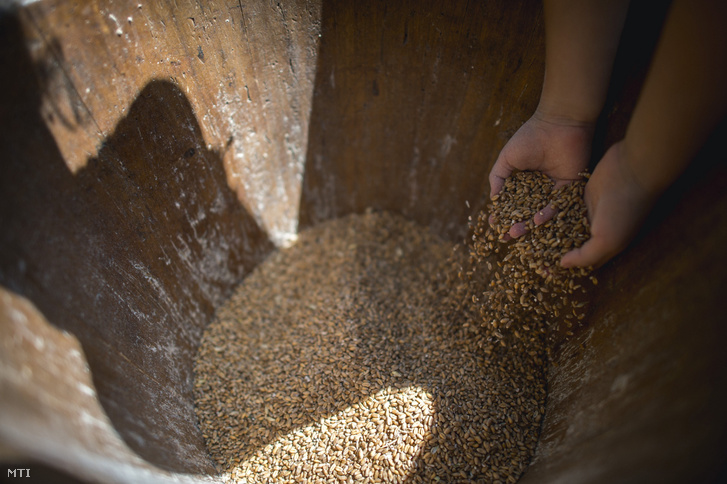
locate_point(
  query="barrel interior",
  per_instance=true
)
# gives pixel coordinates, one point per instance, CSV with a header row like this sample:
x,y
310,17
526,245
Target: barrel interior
x,y
154,153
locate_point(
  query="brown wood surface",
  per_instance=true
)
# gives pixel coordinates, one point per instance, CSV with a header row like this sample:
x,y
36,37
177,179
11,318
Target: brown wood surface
x,y
153,153
413,101
131,252
246,68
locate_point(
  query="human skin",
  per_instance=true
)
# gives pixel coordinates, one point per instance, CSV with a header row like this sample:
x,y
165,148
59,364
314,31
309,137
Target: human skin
x,y
682,99
581,39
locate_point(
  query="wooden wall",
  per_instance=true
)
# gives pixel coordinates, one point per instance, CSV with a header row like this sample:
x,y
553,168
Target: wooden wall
x,y
153,153
150,158
246,69
412,103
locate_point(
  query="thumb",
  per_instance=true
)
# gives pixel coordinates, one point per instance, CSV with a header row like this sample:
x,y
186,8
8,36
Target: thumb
x,y
595,252
497,180
499,172
547,213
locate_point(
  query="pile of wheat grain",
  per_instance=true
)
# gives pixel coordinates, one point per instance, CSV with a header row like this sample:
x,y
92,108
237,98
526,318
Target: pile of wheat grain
x,y
344,359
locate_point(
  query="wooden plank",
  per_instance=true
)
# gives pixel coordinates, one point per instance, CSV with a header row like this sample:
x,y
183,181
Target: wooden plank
x,y
246,67
422,95
130,252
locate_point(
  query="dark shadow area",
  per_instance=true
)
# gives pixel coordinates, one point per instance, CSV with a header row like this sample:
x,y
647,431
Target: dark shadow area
x,y
131,254
639,39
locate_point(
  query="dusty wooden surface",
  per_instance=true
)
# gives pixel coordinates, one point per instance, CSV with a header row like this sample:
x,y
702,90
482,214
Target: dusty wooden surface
x,y
412,103
638,395
49,402
131,251
246,68
152,155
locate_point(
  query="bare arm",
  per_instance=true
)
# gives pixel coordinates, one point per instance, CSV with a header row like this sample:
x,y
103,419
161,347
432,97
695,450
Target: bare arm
x,y
683,98
581,38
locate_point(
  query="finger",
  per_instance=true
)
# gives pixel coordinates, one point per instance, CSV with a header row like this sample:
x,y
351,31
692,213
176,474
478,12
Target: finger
x,y
491,220
595,252
561,182
499,172
496,183
545,214
518,230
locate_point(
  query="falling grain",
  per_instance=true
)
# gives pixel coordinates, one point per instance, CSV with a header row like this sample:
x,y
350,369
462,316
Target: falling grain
x,y
528,284
350,357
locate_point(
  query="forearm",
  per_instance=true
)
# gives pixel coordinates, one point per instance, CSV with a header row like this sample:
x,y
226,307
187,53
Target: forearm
x,y
684,96
581,39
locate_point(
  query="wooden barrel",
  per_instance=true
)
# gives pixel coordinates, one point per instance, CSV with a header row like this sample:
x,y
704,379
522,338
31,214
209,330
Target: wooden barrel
x,y
153,153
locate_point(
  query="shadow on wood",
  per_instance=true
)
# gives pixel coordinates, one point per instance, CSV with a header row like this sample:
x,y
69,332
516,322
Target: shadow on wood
x,y
131,254
411,104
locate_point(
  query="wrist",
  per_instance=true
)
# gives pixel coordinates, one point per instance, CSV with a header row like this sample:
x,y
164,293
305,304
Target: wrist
x,y
653,168
634,167
562,115
570,102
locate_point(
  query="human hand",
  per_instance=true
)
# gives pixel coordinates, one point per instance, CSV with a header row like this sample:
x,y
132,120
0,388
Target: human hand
x,y
617,205
556,146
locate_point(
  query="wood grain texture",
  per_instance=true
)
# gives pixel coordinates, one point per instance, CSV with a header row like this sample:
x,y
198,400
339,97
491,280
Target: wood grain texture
x,y
131,253
51,412
412,104
152,155
246,67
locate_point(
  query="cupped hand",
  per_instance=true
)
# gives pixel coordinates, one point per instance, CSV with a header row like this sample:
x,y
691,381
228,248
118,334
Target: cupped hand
x,y
617,205
556,146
